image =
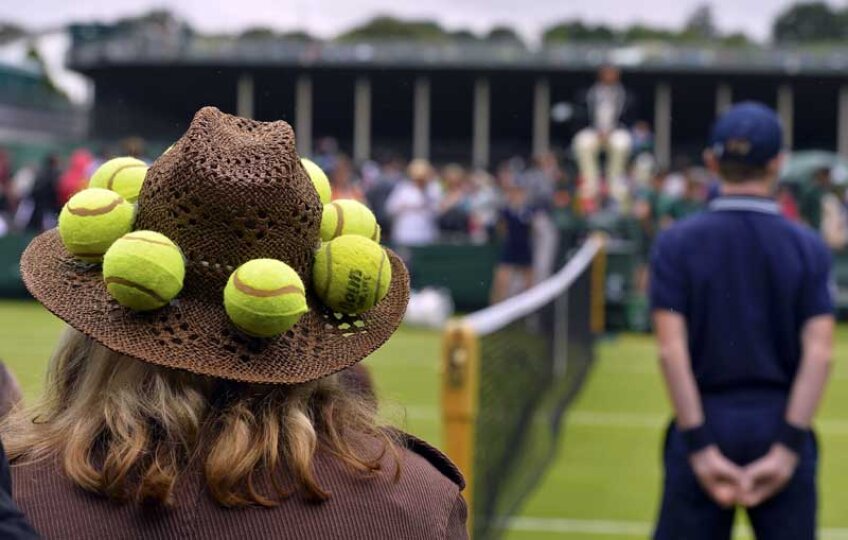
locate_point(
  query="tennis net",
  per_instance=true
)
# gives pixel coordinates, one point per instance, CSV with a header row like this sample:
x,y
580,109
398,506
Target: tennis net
x,y
510,372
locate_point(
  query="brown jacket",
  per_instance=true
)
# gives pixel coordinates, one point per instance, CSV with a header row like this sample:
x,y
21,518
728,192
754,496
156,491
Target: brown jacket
x,y
424,504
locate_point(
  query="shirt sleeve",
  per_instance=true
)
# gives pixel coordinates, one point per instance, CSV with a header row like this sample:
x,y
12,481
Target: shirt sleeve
x,y
668,284
457,527
819,289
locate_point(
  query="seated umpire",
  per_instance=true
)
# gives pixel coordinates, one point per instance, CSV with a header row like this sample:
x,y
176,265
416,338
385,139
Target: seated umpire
x,y
743,315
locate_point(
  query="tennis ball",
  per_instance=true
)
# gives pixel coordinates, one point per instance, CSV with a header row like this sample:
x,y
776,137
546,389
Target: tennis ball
x,y
265,297
143,270
123,175
92,220
351,274
346,216
319,180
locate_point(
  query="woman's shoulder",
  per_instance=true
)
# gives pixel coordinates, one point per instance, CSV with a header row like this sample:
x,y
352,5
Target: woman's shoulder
x,y
427,458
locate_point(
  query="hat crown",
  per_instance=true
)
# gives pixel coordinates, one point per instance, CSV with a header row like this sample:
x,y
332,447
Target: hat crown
x,y
229,191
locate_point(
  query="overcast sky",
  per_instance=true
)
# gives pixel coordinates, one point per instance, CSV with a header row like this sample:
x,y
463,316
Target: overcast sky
x,y
325,17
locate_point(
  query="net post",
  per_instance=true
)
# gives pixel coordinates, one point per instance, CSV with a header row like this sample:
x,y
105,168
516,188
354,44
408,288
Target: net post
x,y
598,292
460,373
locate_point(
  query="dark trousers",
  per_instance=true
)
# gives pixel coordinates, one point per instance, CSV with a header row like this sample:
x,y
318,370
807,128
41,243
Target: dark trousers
x,y
745,426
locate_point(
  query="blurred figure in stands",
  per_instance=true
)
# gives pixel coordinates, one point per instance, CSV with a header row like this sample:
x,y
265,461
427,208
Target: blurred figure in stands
x,y
788,204
485,202
413,207
693,199
75,177
43,196
133,147
454,206
812,195
344,182
22,184
540,182
7,201
516,259
391,174
605,110
644,162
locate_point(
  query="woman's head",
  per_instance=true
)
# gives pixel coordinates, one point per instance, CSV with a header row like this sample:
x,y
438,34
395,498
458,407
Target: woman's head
x,y
454,177
129,429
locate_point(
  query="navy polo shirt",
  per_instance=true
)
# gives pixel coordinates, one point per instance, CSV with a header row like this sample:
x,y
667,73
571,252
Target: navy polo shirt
x,y
746,279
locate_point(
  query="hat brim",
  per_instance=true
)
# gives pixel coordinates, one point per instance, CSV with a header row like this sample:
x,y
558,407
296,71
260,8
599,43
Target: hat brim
x,y
194,333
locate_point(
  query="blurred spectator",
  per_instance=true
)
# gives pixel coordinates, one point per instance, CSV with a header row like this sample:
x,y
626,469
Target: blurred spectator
x,y
515,263
43,196
376,195
133,147
692,201
75,177
454,205
540,183
22,184
644,162
7,200
326,152
413,207
788,204
812,195
605,110
834,222
485,202
343,181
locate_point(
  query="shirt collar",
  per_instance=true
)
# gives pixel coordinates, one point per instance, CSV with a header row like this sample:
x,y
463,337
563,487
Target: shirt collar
x,y
745,203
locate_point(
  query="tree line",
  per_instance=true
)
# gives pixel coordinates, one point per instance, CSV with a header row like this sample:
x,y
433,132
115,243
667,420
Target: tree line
x,y
800,23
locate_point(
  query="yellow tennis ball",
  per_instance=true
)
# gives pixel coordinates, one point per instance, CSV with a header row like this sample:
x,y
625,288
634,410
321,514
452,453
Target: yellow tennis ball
x,y
92,220
144,270
346,216
319,180
265,297
123,175
351,274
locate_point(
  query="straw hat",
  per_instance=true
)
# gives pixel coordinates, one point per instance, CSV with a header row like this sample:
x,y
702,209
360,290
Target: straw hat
x,y
230,190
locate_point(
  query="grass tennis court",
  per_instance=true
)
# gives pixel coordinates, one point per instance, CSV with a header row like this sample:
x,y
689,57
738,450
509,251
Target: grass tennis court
x,y
605,481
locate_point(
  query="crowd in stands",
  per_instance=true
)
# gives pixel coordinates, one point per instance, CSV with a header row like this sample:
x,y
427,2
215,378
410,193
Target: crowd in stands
x,y
518,204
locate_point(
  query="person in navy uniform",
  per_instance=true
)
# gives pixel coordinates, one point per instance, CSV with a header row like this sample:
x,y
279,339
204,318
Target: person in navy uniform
x,y
743,313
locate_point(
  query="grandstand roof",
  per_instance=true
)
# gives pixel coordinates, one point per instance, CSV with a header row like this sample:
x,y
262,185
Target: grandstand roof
x,y
199,50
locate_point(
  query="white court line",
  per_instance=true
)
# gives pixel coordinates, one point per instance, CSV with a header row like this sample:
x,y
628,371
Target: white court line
x,y
619,420
625,528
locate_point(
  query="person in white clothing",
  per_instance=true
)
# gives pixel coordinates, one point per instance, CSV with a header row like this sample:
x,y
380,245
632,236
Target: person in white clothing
x,y
605,105
413,207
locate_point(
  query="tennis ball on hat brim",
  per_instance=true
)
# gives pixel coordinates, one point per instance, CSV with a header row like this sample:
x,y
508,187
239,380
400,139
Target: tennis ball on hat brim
x,y
346,216
123,175
265,297
319,180
92,220
144,270
351,274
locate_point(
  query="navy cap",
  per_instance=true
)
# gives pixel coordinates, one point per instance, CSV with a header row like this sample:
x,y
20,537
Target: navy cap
x,y
748,133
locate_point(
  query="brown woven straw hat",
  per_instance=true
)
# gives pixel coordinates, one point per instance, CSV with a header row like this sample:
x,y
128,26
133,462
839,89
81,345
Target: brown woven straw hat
x,y
230,190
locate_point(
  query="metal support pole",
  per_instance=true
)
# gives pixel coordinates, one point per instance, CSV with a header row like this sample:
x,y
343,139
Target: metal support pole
x,y
541,117
362,120
421,119
303,114
724,98
842,127
244,96
786,111
480,143
662,124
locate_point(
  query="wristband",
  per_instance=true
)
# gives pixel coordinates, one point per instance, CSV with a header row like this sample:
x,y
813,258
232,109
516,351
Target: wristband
x,y
792,437
697,438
